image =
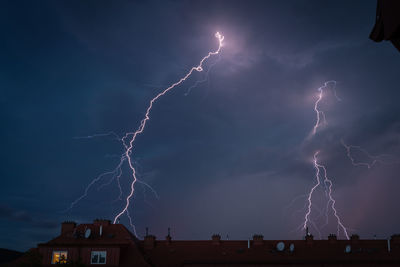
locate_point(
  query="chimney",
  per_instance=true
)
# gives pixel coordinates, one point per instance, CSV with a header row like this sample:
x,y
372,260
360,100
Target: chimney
x,y
332,238
67,227
309,239
258,240
149,240
216,239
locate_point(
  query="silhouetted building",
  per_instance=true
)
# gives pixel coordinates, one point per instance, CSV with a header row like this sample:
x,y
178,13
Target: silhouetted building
x,y
113,245
387,25
98,243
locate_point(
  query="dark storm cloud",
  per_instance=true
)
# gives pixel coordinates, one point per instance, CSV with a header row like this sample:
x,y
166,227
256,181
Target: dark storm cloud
x,y
235,155
23,216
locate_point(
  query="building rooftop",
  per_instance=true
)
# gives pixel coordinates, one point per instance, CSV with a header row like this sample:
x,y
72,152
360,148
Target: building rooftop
x,y
117,239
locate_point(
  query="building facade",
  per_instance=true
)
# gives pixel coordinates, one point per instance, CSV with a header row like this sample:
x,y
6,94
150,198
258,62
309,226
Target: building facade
x,y
106,244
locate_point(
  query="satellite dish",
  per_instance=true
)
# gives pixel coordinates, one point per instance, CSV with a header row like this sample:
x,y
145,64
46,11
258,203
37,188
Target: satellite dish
x,y
291,247
347,249
87,233
280,246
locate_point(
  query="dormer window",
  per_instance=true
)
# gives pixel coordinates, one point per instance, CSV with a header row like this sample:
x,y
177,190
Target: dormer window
x,y
98,257
59,257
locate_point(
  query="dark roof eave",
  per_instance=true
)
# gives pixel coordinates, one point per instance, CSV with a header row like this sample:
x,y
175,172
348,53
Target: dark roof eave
x,y
125,243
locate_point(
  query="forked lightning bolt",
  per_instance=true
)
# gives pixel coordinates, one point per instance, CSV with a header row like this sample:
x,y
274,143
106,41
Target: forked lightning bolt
x,y
318,167
319,112
383,159
331,200
129,138
197,83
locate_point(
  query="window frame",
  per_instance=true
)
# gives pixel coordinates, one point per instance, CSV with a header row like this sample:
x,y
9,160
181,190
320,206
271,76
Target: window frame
x,y
59,252
98,252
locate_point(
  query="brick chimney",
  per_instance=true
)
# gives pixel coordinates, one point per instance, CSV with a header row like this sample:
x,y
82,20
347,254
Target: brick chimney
x,y
258,240
67,227
216,239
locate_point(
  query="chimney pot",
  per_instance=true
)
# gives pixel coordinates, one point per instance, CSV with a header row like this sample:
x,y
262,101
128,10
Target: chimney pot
x,y
332,238
216,238
258,240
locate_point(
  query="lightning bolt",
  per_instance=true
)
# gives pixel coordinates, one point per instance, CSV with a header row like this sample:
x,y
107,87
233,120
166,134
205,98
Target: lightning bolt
x,y
373,159
327,183
320,113
197,83
128,143
331,200
116,137
129,138
114,174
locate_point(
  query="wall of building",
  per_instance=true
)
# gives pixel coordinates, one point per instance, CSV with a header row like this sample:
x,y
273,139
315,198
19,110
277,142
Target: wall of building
x,y
82,253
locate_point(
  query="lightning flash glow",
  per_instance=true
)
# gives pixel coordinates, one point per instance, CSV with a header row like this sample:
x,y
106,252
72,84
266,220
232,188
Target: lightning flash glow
x,y
129,139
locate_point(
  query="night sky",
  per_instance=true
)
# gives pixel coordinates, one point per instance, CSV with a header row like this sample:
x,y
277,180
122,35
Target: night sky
x,y
232,157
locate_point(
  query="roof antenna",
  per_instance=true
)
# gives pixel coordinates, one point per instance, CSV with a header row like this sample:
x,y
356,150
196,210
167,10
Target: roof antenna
x,y
147,231
169,231
307,233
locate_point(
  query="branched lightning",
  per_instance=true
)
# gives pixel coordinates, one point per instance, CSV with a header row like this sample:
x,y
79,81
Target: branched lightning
x,y
327,183
331,200
129,138
309,198
116,137
197,83
114,173
128,143
319,112
373,159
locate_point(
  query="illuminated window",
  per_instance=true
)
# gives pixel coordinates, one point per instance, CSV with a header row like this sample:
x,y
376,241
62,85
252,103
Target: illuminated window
x,y
98,257
59,257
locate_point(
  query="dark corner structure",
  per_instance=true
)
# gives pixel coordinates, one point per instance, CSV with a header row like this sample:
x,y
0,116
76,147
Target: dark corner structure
x,y
387,25
106,244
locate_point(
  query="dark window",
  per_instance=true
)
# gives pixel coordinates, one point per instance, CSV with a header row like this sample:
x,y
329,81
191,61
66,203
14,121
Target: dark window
x,y
98,257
